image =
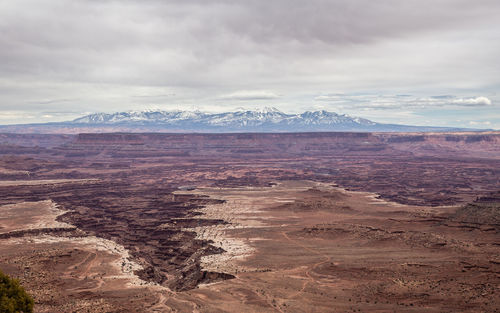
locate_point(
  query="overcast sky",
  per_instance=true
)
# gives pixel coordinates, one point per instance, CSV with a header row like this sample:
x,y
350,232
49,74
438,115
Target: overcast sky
x,y
421,62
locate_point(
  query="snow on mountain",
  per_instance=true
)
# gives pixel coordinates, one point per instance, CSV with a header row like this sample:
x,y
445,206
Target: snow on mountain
x,y
261,120
240,118
138,116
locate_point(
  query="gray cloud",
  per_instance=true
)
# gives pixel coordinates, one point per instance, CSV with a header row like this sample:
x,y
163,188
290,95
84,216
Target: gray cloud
x,y
138,42
250,95
402,102
114,55
54,101
477,101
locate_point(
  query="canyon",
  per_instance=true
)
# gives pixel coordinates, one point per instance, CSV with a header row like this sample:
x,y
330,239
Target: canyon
x,y
252,222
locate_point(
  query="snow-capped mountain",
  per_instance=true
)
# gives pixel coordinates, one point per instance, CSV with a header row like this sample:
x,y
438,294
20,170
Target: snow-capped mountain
x,y
138,116
262,120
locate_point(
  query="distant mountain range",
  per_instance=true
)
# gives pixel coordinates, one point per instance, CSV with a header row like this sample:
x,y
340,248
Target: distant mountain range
x,y
264,120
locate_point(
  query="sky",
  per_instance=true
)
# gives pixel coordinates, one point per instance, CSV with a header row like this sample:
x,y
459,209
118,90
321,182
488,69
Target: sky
x,y
417,62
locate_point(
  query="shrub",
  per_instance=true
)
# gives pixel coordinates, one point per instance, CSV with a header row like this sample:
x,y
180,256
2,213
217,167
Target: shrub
x,y
13,297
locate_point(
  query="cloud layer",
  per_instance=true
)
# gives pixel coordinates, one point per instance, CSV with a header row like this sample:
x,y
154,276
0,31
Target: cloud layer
x,y
89,55
401,101
250,95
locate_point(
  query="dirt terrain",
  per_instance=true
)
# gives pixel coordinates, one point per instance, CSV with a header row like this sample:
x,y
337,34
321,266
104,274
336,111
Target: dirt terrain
x,y
311,222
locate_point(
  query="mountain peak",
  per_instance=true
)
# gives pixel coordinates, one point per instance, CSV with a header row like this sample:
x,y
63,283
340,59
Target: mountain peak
x,y
267,119
267,110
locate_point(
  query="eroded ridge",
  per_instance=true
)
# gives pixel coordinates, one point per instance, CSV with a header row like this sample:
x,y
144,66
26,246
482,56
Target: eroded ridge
x,y
150,227
313,242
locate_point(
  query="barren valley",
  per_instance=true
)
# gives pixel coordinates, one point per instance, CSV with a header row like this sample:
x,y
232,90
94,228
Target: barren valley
x,y
303,222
